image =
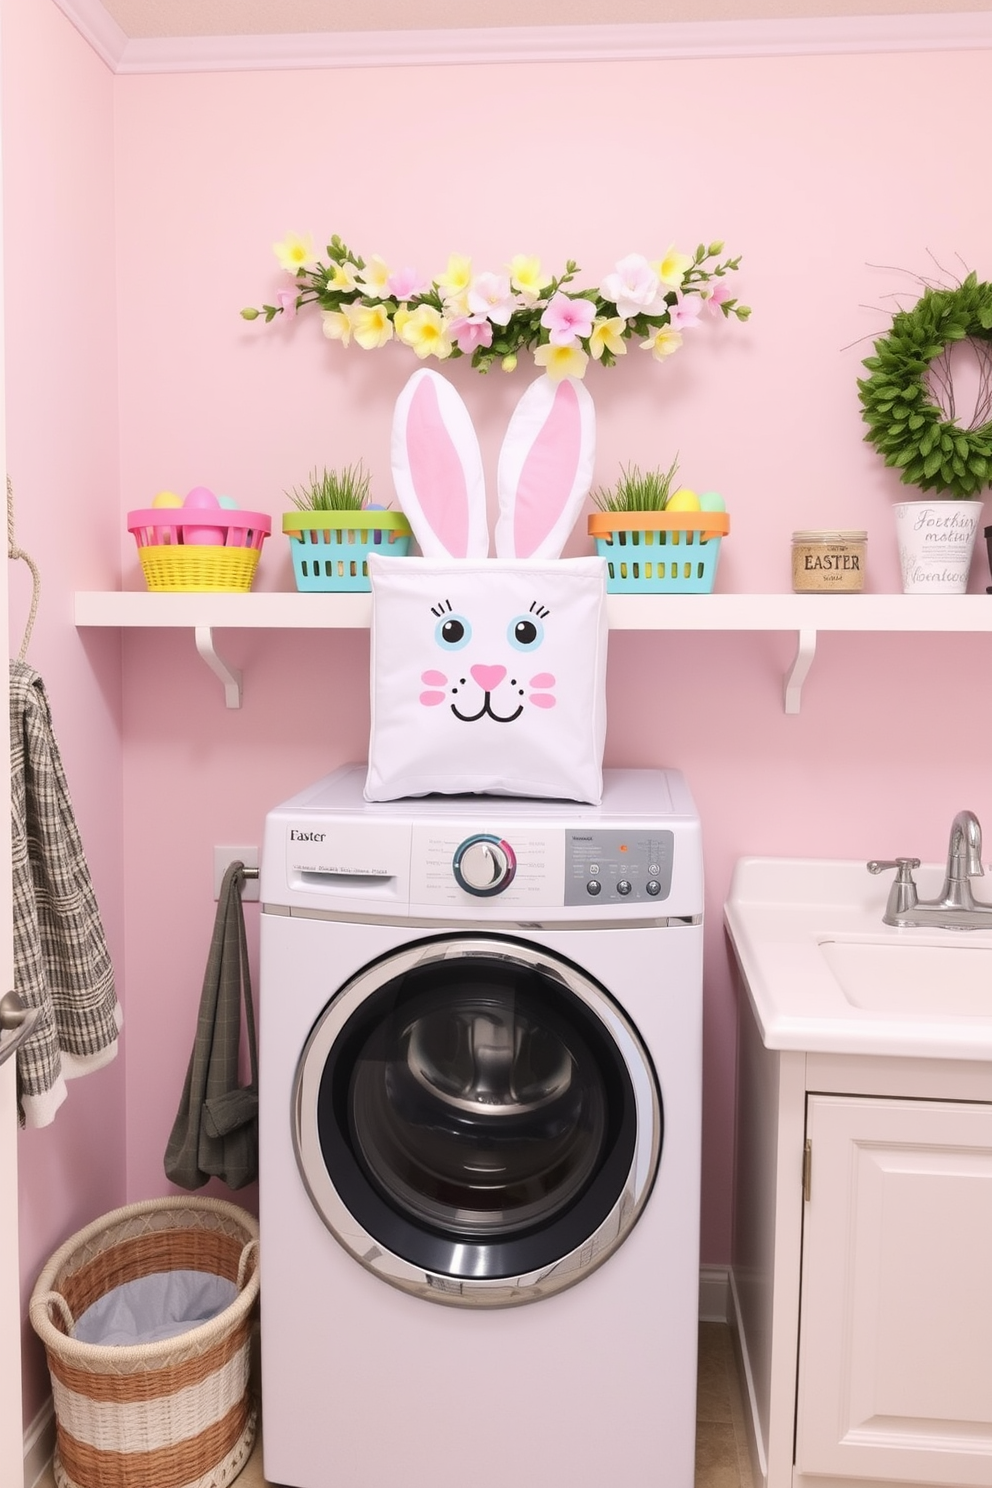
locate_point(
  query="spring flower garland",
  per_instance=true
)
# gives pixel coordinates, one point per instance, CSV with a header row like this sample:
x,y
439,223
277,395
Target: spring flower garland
x,y
494,317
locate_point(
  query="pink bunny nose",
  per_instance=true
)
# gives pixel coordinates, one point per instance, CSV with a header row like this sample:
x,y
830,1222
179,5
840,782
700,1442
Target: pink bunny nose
x,y
488,677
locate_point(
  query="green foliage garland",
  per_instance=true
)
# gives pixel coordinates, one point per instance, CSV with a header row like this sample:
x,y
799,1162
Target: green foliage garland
x,y
905,425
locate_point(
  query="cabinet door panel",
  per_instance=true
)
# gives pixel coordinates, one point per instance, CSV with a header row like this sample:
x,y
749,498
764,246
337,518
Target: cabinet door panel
x,y
895,1362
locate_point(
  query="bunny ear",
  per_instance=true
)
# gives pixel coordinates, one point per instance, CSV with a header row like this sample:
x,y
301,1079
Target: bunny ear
x,y
437,469
545,468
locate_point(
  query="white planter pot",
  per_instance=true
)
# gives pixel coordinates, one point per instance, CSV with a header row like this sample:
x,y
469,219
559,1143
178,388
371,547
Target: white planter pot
x,y
936,542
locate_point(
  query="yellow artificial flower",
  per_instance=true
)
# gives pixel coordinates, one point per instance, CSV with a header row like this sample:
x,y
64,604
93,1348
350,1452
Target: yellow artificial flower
x,y
525,277
294,253
374,277
342,278
424,331
337,325
607,335
562,361
672,269
663,342
457,277
370,325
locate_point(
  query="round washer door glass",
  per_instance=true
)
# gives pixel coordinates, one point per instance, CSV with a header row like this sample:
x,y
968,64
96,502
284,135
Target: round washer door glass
x,y
477,1121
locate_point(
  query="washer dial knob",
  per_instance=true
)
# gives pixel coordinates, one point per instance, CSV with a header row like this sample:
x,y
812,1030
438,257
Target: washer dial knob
x,y
484,865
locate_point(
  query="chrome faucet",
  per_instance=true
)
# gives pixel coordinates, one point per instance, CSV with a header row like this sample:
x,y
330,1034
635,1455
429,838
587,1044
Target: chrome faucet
x,y
956,907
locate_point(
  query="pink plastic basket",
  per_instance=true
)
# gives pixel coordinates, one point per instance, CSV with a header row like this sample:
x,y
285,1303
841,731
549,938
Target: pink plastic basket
x,y
159,526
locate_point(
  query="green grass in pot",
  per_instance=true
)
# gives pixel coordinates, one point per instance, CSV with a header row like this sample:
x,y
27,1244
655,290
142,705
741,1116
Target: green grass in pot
x,y
635,490
333,490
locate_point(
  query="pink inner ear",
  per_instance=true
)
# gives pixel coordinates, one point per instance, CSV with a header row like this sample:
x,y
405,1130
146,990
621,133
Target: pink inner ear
x,y
436,470
548,472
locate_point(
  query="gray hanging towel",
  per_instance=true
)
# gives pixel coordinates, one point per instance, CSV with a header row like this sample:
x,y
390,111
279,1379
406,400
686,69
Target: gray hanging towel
x,y
215,1133
61,961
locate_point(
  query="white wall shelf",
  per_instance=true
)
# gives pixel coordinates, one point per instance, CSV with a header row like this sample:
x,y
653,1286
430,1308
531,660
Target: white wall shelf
x,y
804,614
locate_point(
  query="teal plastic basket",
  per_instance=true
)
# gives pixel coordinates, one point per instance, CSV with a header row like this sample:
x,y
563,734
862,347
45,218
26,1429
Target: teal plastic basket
x,y
678,556
330,549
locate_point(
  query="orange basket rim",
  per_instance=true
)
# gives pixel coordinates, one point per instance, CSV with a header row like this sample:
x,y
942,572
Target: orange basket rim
x,y
712,524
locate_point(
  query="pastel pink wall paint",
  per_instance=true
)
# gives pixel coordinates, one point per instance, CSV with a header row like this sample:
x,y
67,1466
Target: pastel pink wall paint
x,y
592,162
61,390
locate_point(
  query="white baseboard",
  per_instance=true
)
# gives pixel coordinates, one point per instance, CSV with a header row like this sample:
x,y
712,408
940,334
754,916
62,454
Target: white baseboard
x,y
39,1444
714,1294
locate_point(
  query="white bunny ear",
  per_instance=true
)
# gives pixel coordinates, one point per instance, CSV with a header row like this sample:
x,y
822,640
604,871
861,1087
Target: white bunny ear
x,y
545,468
437,469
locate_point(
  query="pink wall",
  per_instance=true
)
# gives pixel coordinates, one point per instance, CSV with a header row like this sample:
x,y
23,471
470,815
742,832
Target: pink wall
x,y
61,389
784,158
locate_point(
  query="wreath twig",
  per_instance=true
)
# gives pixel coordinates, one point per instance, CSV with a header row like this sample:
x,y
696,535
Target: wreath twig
x,y
911,431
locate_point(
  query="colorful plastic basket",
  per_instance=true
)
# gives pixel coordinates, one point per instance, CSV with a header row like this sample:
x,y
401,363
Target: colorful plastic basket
x,y
169,562
659,552
330,548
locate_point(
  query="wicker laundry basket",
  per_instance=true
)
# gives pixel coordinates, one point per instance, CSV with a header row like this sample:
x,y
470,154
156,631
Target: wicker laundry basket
x,y
178,1413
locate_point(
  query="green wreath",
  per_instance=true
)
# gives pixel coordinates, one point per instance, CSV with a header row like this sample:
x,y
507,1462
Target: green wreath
x,y
907,427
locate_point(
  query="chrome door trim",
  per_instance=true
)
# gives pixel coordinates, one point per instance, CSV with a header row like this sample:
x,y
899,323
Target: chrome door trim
x,y
459,1291
654,922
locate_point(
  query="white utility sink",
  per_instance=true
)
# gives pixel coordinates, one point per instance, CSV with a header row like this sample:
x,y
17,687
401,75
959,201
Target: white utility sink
x,y
824,974
888,976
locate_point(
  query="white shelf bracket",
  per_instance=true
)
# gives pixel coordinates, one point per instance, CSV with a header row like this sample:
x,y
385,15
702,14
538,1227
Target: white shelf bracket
x,y
796,676
229,676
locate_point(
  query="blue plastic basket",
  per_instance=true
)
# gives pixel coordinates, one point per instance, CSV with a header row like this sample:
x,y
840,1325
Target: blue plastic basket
x,y
330,549
679,555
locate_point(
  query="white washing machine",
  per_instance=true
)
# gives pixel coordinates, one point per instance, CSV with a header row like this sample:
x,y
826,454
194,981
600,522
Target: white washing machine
x,y
481,1030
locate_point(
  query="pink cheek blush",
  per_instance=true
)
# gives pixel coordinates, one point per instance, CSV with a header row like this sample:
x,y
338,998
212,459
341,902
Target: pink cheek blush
x,y
431,699
541,700
434,679
543,679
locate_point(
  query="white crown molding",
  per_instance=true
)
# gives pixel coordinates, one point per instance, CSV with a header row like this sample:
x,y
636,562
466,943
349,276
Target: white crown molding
x,y
967,31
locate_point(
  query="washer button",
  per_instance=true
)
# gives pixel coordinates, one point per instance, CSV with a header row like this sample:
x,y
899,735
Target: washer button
x,y
654,869
623,887
653,887
594,868
594,887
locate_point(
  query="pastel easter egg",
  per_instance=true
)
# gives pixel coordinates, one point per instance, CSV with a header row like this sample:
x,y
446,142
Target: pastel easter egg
x,y
228,503
712,501
682,500
202,500
167,498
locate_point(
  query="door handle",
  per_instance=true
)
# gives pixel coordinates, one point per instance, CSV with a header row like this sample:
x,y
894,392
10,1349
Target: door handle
x,y
17,1020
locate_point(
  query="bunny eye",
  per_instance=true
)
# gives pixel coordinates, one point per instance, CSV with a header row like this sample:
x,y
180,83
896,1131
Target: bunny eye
x,y
453,632
525,632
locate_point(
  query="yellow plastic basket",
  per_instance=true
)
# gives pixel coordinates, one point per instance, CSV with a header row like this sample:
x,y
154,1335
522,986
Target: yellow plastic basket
x,y
195,570
169,562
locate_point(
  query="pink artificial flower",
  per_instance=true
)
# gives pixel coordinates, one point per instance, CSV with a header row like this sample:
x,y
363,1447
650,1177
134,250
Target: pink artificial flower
x,y
568,320
685,311
471,331
634,288
490,295
405,284
286,302
715,293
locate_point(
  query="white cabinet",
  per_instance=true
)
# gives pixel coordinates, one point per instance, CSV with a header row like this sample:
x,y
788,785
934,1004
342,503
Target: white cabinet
x,y
864,1311
895,1332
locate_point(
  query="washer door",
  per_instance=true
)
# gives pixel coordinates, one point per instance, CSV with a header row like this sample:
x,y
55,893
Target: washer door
x,y
476,1121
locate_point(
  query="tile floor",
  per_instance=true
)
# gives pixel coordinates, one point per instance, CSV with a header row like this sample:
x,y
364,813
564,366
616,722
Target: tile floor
x,y
721,1449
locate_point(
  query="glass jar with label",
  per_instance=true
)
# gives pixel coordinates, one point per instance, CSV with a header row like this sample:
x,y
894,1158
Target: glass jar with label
x,y
828,562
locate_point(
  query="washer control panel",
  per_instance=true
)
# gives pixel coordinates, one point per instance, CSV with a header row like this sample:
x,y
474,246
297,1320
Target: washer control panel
x,y
608,867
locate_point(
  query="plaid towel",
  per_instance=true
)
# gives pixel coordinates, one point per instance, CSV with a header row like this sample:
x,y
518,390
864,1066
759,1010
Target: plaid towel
x,y
61,961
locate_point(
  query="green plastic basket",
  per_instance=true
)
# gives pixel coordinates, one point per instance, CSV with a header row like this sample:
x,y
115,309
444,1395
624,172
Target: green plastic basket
x,y
330,548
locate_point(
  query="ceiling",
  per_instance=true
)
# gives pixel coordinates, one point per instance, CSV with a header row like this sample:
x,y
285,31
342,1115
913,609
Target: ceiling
x,y
146,19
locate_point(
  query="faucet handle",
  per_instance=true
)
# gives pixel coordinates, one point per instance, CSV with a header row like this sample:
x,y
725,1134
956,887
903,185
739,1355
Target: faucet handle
x,y
902,895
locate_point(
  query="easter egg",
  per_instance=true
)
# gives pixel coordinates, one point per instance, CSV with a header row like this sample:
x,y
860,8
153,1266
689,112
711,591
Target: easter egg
x,y
228,503
682,500
202,500
712,501
167,498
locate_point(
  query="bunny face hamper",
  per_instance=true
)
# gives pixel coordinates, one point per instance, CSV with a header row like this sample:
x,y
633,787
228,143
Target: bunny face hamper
x,y
488,675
